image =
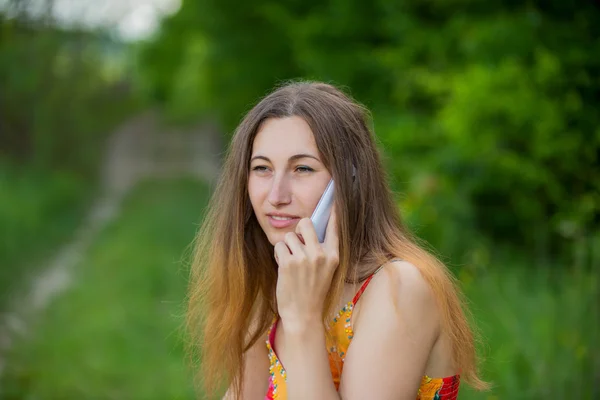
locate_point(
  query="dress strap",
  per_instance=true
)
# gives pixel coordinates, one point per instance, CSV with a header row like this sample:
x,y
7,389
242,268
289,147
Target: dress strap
x,y
366,282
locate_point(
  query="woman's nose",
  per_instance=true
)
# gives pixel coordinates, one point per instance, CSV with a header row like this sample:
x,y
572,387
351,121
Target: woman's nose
x,y
280,192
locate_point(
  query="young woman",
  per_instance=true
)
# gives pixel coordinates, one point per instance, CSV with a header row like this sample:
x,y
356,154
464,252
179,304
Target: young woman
x,y
367,314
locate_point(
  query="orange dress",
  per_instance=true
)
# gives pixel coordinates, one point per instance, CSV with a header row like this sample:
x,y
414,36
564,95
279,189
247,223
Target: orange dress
x,y
341,333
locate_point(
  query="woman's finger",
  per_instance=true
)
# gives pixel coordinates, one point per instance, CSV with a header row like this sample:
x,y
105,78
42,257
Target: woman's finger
x,y
293,243
306,230
281,253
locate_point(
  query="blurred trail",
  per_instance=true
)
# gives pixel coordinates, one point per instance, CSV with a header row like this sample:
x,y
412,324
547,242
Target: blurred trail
x,y
141,148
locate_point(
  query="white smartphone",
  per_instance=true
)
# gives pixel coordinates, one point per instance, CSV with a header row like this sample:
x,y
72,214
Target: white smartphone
x,y
320,216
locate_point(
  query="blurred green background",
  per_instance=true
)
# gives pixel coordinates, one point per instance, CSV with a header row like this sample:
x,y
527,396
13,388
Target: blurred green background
x,y
487,114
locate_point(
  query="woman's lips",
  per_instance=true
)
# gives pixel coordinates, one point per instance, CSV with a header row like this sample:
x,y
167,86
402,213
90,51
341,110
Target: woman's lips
x,y
282,222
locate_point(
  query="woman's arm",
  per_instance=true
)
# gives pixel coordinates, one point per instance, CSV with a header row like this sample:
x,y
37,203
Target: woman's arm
x,y
256,373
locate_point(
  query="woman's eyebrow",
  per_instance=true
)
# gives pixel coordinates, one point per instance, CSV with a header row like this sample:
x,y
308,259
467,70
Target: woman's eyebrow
x,y
302,155
292,158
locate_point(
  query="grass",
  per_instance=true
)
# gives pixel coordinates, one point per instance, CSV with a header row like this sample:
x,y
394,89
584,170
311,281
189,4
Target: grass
x,y
115,334
541,333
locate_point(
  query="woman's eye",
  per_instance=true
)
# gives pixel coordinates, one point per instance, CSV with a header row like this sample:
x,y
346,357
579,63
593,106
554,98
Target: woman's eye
x,y
301,168
304,168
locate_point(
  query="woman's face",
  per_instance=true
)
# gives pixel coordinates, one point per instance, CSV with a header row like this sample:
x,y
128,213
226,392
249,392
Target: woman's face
x,y
286,177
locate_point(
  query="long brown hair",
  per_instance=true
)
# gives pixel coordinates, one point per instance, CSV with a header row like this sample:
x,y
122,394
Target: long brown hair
x,y
233,277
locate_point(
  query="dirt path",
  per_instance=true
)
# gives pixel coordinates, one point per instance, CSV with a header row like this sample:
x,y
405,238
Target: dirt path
x,y
140,148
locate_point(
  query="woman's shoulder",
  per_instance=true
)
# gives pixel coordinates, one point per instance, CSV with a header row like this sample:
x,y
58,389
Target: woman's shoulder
x,y
400,288
404,280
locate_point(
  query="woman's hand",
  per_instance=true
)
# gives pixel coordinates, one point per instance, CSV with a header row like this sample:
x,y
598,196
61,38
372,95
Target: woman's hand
x,y
305,271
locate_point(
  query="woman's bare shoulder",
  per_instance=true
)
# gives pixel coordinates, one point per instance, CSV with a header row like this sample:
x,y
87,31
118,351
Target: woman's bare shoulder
x,y
400,287
405,280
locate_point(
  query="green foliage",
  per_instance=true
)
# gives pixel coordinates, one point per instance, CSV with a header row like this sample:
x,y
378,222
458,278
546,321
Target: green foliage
x,y
60,96
503,131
